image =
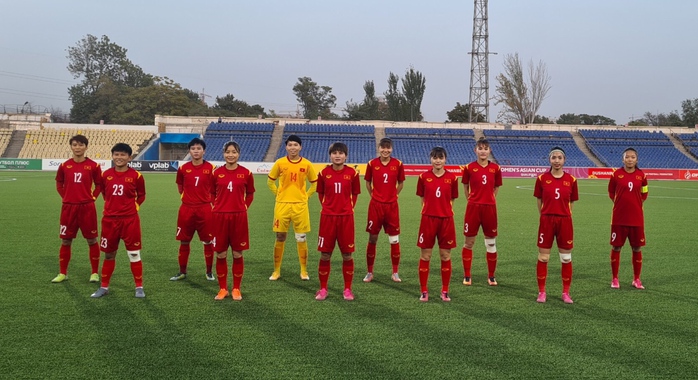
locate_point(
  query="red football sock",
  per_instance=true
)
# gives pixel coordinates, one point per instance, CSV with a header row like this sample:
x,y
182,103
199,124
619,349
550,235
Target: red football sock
x,y
64,254
541,274
348,272
137,271
566,272
323,272
467,255
445,274
615,263
222,272
107,271
183,257
238,270
395,256
423,275
491,263
94,257
370,256
637,264
208,257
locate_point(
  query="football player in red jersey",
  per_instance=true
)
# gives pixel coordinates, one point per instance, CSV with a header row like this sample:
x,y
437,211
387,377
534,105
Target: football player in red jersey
x,y
385,177
124,193
627,188
481,182
233,192
194,182
438,188
555,190
338,187
79,182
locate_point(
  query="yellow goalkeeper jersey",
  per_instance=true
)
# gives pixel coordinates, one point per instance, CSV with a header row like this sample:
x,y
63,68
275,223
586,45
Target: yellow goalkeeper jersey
x,y
292,177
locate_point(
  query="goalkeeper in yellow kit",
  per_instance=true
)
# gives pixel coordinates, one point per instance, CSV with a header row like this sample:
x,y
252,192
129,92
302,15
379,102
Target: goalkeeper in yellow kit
x,y
292,195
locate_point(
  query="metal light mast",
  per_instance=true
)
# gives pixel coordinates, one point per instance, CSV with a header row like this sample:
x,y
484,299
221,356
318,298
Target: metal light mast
x,y
479,64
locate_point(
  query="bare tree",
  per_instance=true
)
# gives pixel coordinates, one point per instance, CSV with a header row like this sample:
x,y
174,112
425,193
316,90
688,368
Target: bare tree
x,y
522,96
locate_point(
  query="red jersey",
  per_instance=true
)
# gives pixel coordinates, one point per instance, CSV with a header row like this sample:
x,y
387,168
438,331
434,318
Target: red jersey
x,y
628,191
74,181
556,193
195,182
233,190
437,193
481,181
123,192
338,190
385,178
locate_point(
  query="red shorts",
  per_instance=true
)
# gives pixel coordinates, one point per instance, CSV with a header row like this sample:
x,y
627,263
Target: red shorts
x,y
194,219
336,229
82,216
126,228
230,230
383,215
432,228
477,215
558,228
634,234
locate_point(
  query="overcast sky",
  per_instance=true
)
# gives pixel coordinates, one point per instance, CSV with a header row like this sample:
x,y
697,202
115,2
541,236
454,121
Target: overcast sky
x,y
617,58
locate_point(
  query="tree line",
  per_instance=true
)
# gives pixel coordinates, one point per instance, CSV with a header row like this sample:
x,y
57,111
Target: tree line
x,y
115,90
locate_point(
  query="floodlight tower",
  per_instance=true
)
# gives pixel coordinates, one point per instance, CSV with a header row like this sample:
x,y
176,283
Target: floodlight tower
x,y
479,64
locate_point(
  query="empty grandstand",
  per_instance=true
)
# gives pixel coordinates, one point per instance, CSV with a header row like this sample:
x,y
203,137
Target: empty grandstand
x,y
5,136
412,145
317,139
254,139
531,148
689,141
53,143
655,150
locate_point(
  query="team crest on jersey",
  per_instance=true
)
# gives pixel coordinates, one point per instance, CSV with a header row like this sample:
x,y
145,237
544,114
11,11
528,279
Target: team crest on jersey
x,y
302,170
637,177
565,183
492,170
240,176
206,171
128,179
393,168
88,167
447,180
346,176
